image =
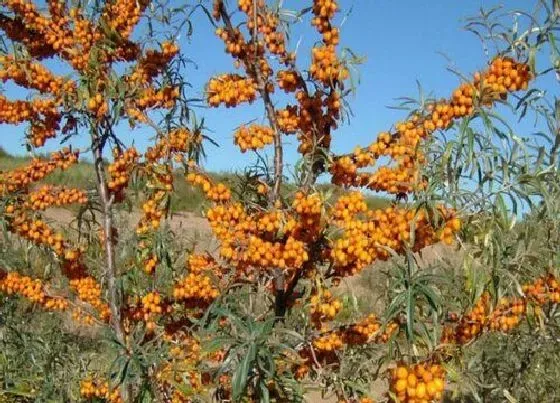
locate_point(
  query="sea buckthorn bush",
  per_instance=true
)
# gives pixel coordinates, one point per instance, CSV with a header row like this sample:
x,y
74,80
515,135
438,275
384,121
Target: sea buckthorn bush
x,y
449,291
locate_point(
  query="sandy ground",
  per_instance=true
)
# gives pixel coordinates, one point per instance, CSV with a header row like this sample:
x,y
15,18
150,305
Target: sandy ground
x,y
187,222
184,225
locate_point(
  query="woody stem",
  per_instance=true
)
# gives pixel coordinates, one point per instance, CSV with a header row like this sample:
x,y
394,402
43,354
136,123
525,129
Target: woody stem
x,y
106,200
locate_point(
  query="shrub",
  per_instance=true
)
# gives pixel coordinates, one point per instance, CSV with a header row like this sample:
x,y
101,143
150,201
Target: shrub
x,y
271,313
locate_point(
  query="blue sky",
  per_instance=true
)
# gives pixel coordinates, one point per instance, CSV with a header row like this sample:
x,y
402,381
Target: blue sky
x,y
401,40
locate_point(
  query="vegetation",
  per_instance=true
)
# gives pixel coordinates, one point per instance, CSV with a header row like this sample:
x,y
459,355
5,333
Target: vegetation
x,y
185,197
449,291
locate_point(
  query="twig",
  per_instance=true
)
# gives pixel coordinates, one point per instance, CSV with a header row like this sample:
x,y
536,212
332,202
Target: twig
x,y
253,69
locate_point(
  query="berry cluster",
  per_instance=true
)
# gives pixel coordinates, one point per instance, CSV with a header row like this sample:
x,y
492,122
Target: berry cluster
x,y
505,315
54,30
195,290
121,169
329,342
269,222
288,80
31,39
150,263
34,76
288,119
97,105
196,263
21,178
473,322
64,33
85,35
274,40
98,389
218,192
148,309
233,40
157,98
326,344
307,223
324,307
426,381
72,35
388,331
177,376
175,143
159,174
38,232
31,289
262,188
89,291
368,330
231,90
152,215
422,382
504,75
316,113
122,15
326,67
253,137
365,232
363,331
48,196
152,306
264,25
314,122
347,207
243,246
153,62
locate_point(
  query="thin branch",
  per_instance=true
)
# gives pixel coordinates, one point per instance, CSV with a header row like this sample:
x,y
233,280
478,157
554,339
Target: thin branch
x,y
252,68
106,200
